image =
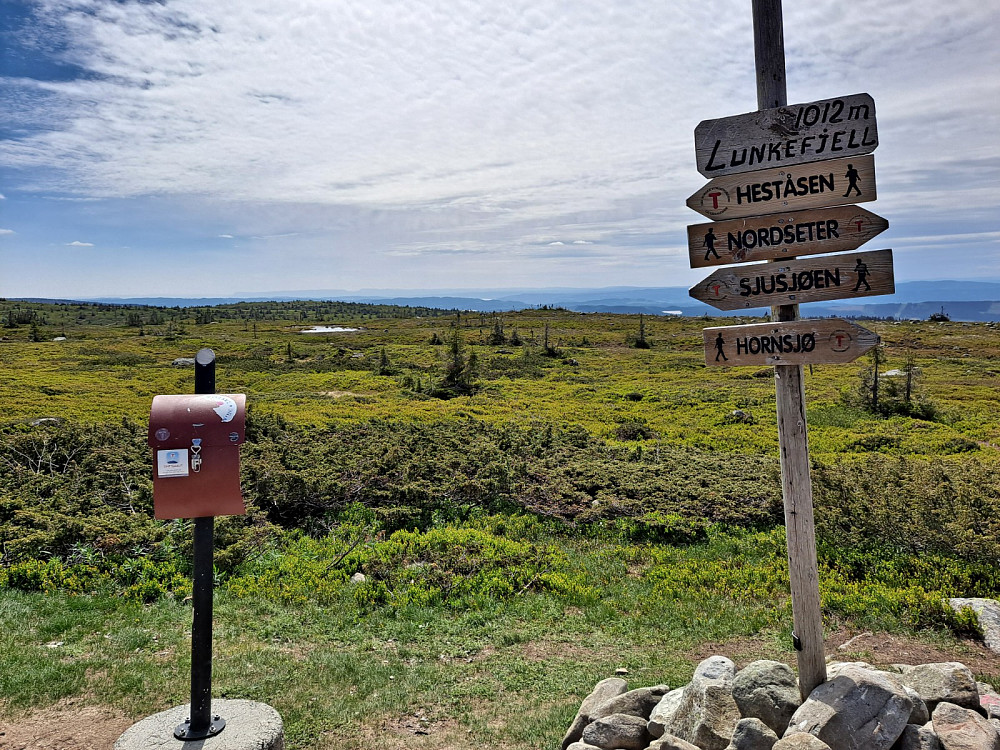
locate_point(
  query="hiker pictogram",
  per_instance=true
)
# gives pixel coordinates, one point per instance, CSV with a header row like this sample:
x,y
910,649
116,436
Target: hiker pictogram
x,y
852,180
720,351
861,269
710,244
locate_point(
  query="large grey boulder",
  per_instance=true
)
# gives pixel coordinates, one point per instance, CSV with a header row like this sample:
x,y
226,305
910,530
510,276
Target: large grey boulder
x,y
943,681
767,690
988,613
716,668
990,703
603,691
752,734
800,741
664,711
640,702
916,737
859,709
706,714
834,667
617,732
669,742
961,729
919,714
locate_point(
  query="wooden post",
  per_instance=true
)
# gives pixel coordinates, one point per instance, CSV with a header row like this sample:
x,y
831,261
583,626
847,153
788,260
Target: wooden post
x,y
796,485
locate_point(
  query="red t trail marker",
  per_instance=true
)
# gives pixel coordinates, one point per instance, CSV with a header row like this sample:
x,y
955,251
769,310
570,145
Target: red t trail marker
x,y
811,280
815,185
786,136
798,342
787,235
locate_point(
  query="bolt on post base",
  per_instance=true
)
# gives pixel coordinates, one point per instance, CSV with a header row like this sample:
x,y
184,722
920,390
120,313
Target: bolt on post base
x,y
185,732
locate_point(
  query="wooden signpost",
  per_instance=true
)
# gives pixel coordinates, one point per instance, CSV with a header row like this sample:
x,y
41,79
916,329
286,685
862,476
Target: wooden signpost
x,y
815,185
780,236
785,136
798,342
780,165
792,282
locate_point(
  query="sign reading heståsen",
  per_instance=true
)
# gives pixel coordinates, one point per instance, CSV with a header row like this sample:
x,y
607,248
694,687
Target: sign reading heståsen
x,y
790,234
809,280
797,342
816,185
785,136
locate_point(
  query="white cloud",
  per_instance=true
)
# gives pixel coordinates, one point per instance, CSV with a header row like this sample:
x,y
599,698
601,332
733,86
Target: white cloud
x,y
456,126
77,243
6,231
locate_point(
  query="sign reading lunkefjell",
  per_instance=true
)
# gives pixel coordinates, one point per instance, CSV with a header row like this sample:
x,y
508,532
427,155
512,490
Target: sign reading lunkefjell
x,y
785,136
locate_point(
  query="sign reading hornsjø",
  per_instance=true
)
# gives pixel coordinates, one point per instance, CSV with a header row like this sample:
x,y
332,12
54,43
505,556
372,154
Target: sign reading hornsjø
x,y
784,184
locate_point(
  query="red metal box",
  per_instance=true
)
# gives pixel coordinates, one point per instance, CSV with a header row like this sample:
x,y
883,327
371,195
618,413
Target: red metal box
x,y
196,454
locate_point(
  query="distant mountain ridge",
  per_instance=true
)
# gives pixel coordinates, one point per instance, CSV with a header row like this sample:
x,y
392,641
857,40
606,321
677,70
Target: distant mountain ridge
x,y
960,300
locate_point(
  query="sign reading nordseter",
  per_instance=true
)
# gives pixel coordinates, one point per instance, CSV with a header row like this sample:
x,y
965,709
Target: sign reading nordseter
x,y
785,235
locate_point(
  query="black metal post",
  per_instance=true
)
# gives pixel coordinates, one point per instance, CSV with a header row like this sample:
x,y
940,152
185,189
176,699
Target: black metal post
x,y
202,723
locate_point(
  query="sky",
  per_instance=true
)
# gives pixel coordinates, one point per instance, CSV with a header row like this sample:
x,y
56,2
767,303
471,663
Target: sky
x,y
240,147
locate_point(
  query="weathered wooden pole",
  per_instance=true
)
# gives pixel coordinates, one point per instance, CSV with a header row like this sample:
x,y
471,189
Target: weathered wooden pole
x,y
796,485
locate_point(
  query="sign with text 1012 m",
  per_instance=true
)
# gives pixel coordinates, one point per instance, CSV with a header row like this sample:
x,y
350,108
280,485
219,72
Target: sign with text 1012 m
x,y
785,136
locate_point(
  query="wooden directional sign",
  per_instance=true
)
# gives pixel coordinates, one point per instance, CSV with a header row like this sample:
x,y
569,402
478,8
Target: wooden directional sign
x,y
816,185
797,342
810,280
786,136
787,235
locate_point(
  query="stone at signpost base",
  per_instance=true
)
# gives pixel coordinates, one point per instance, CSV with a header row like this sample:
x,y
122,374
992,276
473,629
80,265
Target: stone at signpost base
x,y
988,612
990,703
707,714
249,726
669,742
801,741
857,710
582,746
949,682
663,712
767,690
917,738
617,732
639,702
752,734
603,691
920,714
961,729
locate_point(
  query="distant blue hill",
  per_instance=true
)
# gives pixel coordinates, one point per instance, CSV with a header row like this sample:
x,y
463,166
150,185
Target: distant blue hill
x,y
960,300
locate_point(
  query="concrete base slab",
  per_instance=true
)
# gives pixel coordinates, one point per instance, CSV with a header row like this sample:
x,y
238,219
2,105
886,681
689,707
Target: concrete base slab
x,y
249,726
